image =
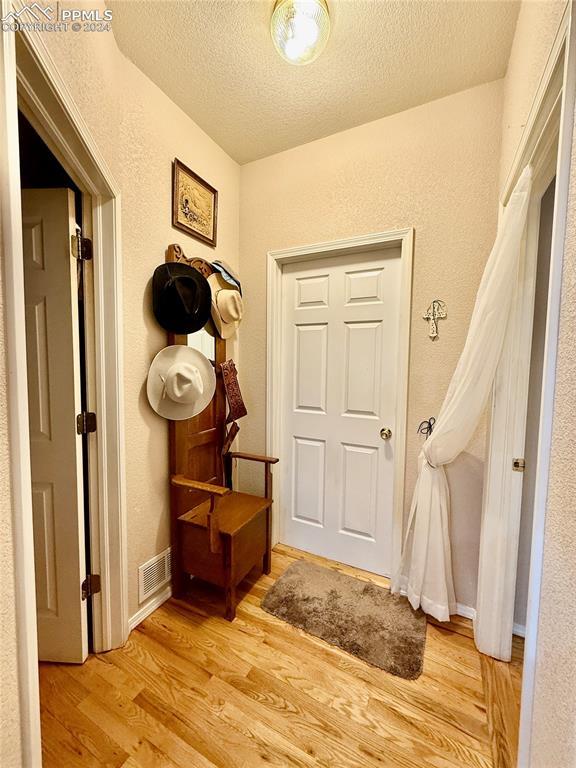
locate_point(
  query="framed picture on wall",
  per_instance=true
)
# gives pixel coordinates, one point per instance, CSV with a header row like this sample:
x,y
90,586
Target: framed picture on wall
x,y
194,204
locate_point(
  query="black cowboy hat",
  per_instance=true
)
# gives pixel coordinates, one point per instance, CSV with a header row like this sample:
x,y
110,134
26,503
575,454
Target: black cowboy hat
x,y
181,298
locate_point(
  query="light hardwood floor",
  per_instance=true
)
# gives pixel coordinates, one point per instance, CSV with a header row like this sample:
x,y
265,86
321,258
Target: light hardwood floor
x,y
193,690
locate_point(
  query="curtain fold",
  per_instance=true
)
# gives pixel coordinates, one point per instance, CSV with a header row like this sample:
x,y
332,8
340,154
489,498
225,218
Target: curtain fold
x,y
425,573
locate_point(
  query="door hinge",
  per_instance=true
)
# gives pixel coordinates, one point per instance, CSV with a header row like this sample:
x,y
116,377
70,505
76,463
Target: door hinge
x,y
85,422
91,585
81,248
518,465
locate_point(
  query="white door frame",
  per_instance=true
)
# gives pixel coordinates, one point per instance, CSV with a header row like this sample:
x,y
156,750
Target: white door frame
x,y
551,119
403,238
30,79
497,569
567,36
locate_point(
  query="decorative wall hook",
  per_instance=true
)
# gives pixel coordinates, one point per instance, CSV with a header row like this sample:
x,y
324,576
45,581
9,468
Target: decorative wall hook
x,y
436,311
426,427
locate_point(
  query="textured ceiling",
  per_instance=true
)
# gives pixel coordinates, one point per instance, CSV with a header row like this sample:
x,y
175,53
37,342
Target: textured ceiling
x,y
216,60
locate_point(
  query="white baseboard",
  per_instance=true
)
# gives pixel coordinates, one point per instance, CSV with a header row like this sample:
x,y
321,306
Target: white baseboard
x,y
519,629
470,613
149,607
466,611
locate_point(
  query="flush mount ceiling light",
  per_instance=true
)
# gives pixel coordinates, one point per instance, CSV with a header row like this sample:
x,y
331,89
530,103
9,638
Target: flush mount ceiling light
x,y
300,29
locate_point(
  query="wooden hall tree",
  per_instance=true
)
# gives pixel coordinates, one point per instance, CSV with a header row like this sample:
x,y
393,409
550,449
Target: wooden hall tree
x,y
217,534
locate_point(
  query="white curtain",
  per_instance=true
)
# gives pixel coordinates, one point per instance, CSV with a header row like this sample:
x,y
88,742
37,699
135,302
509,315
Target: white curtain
x,y
425,573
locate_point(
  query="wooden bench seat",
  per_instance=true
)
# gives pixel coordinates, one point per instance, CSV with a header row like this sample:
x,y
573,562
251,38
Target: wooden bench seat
x,y
234,511
222,537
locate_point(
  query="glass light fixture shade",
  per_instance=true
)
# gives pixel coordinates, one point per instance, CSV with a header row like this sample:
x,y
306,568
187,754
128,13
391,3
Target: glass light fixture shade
x,y
300,29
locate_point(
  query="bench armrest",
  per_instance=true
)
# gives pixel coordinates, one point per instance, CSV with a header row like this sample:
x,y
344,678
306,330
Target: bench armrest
x,y
216,492
253,457
266,460
182,481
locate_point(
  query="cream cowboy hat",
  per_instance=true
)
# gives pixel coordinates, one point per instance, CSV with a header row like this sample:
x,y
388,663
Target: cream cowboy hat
x,y
181,382
227,306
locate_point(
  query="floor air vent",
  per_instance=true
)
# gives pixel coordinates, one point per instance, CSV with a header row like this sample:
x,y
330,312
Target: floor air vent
x,y
154,574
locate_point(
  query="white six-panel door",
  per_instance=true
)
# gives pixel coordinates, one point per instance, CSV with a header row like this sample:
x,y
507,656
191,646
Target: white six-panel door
x,y
52,347
340,348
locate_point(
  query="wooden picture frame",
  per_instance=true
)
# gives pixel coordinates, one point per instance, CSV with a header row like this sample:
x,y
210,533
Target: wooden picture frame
x,y
194,204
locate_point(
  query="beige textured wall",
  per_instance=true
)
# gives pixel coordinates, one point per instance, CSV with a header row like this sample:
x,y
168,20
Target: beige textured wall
x,y
140,131
434,168
10,755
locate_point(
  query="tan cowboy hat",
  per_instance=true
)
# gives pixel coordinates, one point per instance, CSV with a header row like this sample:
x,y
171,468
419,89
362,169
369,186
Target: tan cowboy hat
x,y
227,273
181,382
227,306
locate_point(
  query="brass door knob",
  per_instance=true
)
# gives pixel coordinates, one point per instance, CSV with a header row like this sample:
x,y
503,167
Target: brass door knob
x,y
385,433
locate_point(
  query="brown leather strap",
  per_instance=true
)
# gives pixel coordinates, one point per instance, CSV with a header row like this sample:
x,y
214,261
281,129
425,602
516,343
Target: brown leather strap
x,y
236,406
